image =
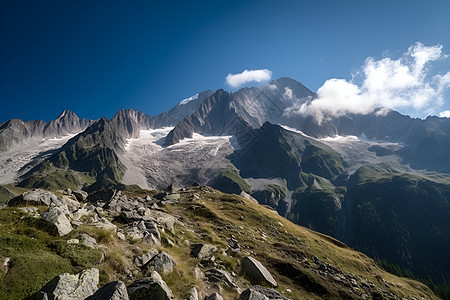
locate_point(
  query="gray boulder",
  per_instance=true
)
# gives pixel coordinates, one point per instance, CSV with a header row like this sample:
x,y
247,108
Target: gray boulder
x,y
257,292
214,296
88,241
140,261
256,271
70,287
193,294
162,263
36,197
149,288
57,216
115,290
217,275
203,251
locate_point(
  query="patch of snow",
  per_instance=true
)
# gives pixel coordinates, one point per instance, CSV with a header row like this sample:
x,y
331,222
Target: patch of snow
x,y
21,158
150,165
295,130
187,100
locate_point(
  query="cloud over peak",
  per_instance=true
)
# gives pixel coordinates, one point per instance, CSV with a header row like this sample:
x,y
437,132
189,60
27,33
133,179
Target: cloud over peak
x,y
405,83
237,80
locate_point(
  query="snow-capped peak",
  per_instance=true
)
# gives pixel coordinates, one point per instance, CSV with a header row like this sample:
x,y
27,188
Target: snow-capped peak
x,y
187,100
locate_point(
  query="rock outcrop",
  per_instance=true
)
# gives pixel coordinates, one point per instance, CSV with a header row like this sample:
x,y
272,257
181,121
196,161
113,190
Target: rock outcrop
x,y
115,290
256,271
150,288
70,287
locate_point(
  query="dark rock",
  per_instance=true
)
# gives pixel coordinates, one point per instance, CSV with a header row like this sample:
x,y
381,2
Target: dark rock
x,y
115,290
171,189
257,292
217,275
145,258
150,288
214,296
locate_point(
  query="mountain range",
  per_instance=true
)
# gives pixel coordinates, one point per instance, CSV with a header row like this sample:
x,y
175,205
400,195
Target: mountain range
x,y
379,182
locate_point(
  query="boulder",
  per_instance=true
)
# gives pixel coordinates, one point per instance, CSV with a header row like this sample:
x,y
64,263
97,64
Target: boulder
x,y
115,290
144,230
171,189
214,296
256,271
140,261
162,263
70,287
149,288
80,195
36,197
88,241
257,292
203,251
217,275
104,223
56,216
193,294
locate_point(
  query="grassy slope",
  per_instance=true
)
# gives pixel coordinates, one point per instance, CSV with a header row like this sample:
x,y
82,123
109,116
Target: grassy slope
x,y
262,233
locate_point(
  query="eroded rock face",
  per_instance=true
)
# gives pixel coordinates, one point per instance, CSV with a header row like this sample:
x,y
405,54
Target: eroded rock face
x,y
256,271
115,290
70,287
150,288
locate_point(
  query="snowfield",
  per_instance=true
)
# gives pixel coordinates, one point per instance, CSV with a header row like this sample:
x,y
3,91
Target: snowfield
x,y
150,165
21,158
357,151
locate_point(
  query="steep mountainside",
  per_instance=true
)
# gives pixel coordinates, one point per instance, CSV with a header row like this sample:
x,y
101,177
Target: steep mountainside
x,y
14,132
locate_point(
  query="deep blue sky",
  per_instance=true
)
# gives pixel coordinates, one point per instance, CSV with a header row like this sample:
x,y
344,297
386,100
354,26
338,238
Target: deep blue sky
x,y
97,57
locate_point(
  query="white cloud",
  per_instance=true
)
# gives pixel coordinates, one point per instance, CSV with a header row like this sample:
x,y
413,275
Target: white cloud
x,y
445,114
403,84
288,94
236,80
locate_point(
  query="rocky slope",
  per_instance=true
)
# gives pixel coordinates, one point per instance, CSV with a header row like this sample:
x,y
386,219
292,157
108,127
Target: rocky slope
x,y
192,243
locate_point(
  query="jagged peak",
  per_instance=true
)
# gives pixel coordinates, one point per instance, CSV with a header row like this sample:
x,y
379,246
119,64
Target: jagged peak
x,y
66,114
12,122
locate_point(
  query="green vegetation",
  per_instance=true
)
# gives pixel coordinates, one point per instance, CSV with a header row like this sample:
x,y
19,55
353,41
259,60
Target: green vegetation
x,y
286,249
35,255
321,161
10,191
410,211
55,179
231,181
318,207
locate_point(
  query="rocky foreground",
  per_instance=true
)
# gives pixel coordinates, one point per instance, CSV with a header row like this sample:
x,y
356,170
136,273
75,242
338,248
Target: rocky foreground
x,y
190,243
